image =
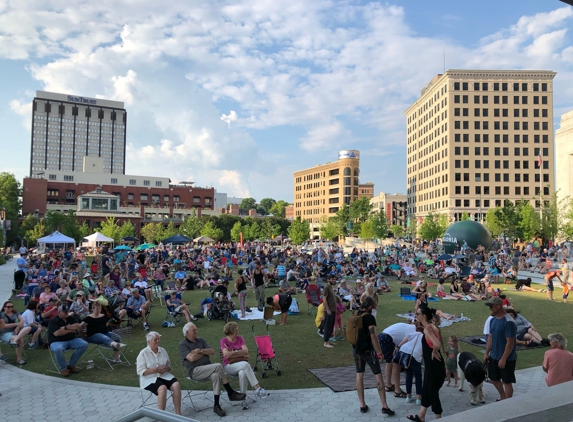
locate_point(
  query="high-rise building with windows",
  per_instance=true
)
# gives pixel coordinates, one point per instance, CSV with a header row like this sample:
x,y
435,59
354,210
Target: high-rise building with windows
x,y
478,137
65,128
321,190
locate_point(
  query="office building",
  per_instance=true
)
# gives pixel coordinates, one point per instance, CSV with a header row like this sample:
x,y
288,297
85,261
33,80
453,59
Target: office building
x,y
65,128
474,139
564,157
394,205
321,190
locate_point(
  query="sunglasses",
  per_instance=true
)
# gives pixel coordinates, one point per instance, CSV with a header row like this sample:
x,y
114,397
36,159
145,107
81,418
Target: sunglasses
x,y
9,306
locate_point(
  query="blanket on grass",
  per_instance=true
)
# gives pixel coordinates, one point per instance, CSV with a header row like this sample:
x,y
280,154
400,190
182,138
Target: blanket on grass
x,y
254,315
480,341
445,322
412,297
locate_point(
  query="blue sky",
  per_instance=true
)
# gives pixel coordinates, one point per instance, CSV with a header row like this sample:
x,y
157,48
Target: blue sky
x,y
238,95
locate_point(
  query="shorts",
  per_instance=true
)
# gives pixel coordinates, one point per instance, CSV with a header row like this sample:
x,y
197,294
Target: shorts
x,y
387,345
506,375
360,360
158,383
6,336
565,295
521,336
133,314
284,302
550,285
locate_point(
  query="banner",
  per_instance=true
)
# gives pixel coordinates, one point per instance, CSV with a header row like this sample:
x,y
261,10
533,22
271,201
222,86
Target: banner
x,y
241,238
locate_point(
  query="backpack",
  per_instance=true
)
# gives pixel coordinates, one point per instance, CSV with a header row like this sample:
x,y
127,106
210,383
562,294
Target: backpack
x,y
353,326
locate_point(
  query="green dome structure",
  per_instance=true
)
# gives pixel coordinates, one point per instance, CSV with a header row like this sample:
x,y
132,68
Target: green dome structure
x,y
472,232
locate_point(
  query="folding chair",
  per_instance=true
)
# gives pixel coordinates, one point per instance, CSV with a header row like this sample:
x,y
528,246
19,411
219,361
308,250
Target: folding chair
x,y
157,293
146,395
53,357
133,321
172,317
250,394
119,335
192,392
313,298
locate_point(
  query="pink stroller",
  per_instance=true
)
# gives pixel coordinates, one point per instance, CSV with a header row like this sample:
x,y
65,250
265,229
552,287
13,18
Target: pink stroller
x,y
266,354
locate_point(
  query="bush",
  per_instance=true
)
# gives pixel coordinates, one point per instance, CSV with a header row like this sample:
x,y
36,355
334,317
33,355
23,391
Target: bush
x,y
2,260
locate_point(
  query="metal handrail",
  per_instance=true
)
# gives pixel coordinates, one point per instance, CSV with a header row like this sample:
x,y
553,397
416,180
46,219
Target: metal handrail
x,y
155,414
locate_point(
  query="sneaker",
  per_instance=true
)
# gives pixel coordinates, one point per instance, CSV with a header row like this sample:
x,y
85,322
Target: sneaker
x,y
244,405
320,333
117,360
120,345
171,325
13,344
193,318
410,399
3,359
219,410
418,402
261,393
387,411
33,346
146,327
21,362
333,339
328,345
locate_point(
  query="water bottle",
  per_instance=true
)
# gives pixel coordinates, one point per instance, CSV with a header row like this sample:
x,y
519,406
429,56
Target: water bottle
x,y
90,364
462,315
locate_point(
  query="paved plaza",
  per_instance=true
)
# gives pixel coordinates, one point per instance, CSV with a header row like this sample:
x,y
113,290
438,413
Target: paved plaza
x,y
57,399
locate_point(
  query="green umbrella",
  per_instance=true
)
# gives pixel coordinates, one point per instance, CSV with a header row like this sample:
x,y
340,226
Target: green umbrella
x,y
145,246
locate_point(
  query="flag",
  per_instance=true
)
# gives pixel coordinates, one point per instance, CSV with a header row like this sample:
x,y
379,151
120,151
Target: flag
x,y
539,161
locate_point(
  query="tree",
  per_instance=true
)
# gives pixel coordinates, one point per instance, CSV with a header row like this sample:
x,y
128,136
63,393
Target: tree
x,y
299,231
268,229
168,231
412,227
433,226
209,230
27,227
465,216
38,231
85,230
530,223
267,204
10,193
493,223
379,224
127,230
248,204
226,222
329,228
342,218
366,231
551,217
191,226
236,232
64,222
151,231
360,209
397,230
111,228
278,209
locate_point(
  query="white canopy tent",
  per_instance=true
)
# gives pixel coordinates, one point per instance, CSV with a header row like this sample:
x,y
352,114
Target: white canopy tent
x,y
54,239
95,239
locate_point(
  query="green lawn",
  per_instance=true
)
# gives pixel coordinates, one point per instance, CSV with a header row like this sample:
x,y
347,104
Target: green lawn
x,y
298,347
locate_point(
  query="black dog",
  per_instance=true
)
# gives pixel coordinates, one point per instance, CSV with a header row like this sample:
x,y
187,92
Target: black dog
x,y
522,282
471,369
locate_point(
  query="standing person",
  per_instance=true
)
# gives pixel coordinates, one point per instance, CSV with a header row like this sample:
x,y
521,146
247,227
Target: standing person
x,y
435,370
558,362
389,339
154,370
500,350
241,289
258,280
549,282
280,302
329,301
367,351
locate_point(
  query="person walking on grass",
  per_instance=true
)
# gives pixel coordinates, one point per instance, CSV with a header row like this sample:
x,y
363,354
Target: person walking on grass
x,y
329,302
367,351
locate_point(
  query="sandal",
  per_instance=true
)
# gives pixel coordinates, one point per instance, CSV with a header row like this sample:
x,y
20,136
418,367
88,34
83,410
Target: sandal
x,y
364,409
400,395
389,388
414,418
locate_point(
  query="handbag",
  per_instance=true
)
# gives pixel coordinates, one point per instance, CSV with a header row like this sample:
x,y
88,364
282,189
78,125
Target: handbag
x,y
233,358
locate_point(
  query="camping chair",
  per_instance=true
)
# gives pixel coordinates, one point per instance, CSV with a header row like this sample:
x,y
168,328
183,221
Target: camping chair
x,y
133,321
466,271
313,298
157,293
119,335
193,392
53,357
173,316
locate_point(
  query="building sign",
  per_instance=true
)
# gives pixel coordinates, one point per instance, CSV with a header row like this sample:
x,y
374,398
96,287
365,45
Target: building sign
x,y
389,212
351,153
82,100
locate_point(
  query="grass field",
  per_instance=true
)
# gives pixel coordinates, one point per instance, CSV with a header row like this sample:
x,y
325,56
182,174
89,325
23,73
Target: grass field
x,y
298,346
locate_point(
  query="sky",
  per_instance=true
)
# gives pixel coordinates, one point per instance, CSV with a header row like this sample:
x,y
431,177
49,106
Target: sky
x,y
240,94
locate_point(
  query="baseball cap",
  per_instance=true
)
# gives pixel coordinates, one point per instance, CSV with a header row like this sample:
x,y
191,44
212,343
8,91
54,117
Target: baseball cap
x,y
87,275
53,299
495,300
63,308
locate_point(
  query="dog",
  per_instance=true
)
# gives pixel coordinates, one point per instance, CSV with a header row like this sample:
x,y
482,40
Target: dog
x,y
523,282
472,369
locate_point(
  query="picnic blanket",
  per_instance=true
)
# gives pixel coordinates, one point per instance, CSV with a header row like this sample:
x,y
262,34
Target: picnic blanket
x,y
480,341
413,297
343,378
254,315
445,322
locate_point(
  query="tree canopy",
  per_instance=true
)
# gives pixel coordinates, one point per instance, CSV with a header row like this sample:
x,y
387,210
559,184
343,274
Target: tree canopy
x,y
299,231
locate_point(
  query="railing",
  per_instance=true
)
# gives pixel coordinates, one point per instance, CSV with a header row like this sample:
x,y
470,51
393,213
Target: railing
x,y
155,414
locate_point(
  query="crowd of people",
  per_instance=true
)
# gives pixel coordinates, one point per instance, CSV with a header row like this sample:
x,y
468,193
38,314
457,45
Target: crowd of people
x,y
66,295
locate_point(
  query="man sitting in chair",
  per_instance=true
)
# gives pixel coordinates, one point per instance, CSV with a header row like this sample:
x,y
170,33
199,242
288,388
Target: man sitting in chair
x,y
61,337
179,306
194,352
137,307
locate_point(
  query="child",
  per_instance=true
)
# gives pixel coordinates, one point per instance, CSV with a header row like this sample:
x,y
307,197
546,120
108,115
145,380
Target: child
x,y
441,292
452,360
565,290
340,309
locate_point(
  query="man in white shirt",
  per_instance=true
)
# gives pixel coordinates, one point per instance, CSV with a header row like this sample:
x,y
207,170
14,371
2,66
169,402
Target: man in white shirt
x,y
23,250
389,339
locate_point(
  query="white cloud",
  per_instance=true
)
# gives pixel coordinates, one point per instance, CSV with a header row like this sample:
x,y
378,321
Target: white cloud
x,y
228,118
234,184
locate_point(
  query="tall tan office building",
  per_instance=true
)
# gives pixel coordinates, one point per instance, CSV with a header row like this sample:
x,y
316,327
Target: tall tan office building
x,y
474,138
321,190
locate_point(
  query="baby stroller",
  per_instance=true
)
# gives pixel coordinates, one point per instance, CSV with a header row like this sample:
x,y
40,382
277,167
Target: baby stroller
x,y
266,354
220,307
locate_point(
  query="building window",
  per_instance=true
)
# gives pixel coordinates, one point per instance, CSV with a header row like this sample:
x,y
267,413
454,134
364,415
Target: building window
x,y
146,183
52,177
333,172
158,183
113,181
175,198
196,199
132,181
165,198
99,204
143,197
68,178
130,196
333,191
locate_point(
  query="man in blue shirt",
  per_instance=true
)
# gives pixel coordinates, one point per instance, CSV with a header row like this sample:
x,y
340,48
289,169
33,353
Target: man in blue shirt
x,y
22,263
500,350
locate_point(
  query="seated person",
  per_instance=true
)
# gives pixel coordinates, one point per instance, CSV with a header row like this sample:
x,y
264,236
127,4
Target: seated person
x,y
79,288
180,279
408,271
345,293
468,290
540,265
50,311
13,331
63,291
159,277
450,271
285,287
194,352
88,283
62,332
154,370
137,307
29,317
97,331
126,291
421,288
525,331
382,285
46,295
455,290
179,306
144,289
79,307
236,360
396,269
